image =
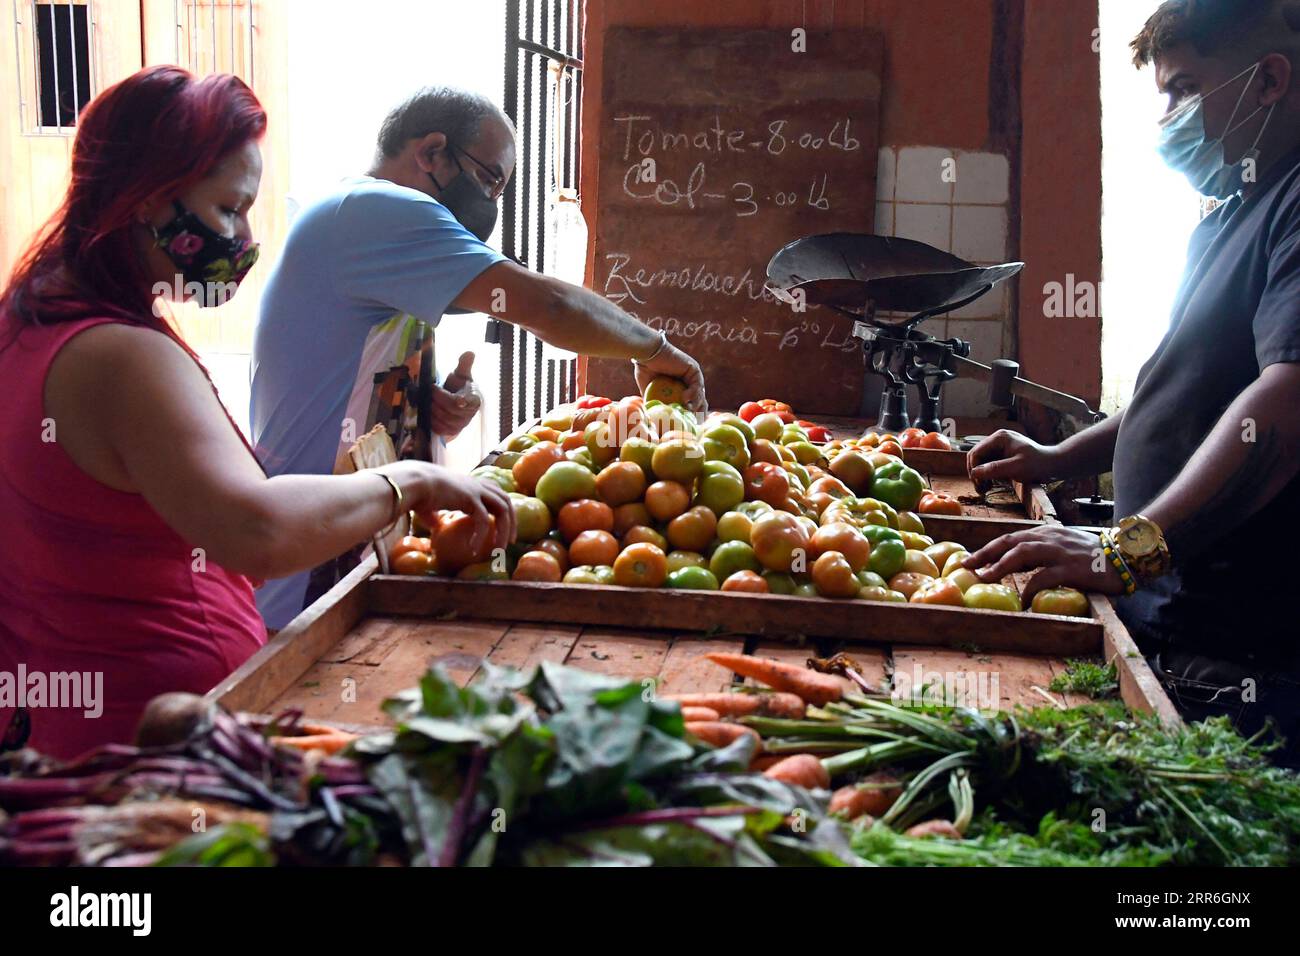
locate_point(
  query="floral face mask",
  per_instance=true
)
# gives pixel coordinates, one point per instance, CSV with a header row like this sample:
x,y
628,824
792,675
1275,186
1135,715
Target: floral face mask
x,y
212,265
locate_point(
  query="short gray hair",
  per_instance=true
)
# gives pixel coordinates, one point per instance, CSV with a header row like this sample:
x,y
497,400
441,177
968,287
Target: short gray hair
x,y
456,113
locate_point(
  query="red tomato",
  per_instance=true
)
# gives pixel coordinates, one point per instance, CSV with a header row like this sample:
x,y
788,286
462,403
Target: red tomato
x,y
890,448
746,582
766,482
452,547
819,435
750,410
537,566
911,437
939,503
592,401
936,441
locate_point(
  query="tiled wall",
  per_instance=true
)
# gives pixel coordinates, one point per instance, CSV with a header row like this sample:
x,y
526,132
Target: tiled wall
x,y
965,213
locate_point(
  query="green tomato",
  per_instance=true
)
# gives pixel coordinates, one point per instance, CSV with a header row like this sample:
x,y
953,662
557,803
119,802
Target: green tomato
x,y
692,579
768,425
685,559
507,459
805,589
753,509
721,488
583,457
778,582
992,597
876,533
870,579
805,452
734,526
732,556
590,574
917,542
640,452
887,558
885,595
723,442
898,485
501,477
1065,601
739,424
910,521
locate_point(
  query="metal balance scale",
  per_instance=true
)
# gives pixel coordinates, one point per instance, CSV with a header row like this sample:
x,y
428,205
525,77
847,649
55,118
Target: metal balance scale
x,y
888,286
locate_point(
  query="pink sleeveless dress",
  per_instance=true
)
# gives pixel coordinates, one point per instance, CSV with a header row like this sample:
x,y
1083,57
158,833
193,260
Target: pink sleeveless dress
x,y
102,605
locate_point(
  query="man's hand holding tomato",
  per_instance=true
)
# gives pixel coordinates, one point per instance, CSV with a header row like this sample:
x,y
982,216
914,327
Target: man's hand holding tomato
x,y
1069,557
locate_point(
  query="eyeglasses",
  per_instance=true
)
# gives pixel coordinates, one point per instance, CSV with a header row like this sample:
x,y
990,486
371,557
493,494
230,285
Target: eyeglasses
x,y
494,184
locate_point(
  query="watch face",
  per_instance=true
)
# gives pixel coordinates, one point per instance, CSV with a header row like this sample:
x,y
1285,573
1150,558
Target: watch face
x,y
1138,538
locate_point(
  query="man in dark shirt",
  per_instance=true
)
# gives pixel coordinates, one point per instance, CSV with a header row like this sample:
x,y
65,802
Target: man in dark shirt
x,y
1207,453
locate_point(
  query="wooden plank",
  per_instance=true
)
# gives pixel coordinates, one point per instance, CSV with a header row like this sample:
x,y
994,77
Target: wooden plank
x,y
936,461
369,642
685,671
973,531
619,653
525,646
776,616
1139,687
284,658
974,678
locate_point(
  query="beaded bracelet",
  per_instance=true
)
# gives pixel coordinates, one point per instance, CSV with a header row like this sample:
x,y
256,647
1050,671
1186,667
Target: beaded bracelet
x,y
1112,553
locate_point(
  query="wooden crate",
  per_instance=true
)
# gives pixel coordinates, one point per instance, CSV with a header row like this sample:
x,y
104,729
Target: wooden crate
x,y
373,635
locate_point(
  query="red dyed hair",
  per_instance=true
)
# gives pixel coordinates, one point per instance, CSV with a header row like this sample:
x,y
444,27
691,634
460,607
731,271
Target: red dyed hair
x,y
156,133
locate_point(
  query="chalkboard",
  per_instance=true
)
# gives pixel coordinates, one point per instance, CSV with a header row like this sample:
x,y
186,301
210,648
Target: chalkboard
x,y
717,147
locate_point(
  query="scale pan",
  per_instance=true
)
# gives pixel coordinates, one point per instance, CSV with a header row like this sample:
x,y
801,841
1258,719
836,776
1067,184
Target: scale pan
x,y
852,271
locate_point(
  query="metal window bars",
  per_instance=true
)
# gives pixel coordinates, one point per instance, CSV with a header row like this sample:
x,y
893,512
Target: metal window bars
x,y
543,56
55,65
201,27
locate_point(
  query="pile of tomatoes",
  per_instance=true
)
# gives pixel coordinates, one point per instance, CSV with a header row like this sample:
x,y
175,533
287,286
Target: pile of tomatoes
x,y
637,493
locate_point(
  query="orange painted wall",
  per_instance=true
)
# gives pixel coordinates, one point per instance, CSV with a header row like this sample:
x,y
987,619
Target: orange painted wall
x,y
965,74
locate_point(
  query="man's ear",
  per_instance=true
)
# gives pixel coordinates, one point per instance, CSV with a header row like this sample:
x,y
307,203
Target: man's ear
x,y
426,150
1276,69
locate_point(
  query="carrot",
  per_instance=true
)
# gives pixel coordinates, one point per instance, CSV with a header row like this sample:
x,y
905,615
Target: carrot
x,y
802,770
815,688
935,829
719,734
873,795
697,714
741,705
330,743
761,762
854,804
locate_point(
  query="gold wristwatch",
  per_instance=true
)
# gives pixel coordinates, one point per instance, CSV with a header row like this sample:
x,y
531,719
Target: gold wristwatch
x,y
1141,544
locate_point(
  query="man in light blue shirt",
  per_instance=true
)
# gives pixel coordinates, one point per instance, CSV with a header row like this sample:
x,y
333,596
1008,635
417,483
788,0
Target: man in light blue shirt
x,y
368,269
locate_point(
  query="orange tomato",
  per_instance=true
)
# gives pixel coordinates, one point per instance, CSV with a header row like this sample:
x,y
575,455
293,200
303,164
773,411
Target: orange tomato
x,y
937,441
533,463
555,549
644,535
571,440
678,459
666,389
939,503
594,547
585,514
630,515
537,566
747,582
767,482
843,538
763,449
779,540
452,547
693,530
833,576
412,562
665,500
641,566
542,433
411,543
890,448
938,591
620,483
908,583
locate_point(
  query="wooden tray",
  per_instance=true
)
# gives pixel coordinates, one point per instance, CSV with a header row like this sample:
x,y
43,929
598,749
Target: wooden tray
x,y
372,635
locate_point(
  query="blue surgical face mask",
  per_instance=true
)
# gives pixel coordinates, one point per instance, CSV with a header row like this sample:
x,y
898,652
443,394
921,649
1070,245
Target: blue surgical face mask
x,y
1184,147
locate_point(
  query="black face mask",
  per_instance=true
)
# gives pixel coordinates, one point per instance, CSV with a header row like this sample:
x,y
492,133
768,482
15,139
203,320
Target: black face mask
x,y
207,260
472,208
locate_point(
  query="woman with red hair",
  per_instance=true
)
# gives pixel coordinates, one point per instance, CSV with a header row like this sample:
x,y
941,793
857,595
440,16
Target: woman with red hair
x,y
134,514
